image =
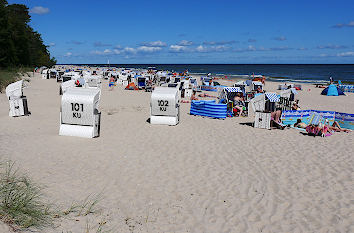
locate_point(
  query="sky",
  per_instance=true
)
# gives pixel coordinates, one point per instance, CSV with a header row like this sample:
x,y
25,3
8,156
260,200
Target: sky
x,y
196,31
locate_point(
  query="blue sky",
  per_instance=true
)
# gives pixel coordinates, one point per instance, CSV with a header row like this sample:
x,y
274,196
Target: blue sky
x,y
195,31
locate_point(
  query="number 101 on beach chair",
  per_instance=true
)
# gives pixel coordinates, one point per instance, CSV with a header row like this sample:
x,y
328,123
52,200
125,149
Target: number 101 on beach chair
x,y
164,106
79,115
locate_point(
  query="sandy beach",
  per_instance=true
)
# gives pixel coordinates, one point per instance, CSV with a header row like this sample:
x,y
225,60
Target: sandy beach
x,y
203,175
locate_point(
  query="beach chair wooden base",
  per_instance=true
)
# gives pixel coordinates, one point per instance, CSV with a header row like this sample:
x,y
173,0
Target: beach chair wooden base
x,y
262,120
18,107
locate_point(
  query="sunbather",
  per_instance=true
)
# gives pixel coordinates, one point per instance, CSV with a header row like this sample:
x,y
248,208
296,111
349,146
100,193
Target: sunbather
x,y
206,95
300,124
335,127
193,97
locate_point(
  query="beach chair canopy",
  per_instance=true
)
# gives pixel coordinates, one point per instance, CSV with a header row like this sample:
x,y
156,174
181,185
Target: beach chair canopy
x,y
248,82
257,83
272,97
240,83
14,90
233,89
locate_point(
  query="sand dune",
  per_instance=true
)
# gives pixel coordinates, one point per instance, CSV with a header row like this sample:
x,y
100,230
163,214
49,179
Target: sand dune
x,y
204,175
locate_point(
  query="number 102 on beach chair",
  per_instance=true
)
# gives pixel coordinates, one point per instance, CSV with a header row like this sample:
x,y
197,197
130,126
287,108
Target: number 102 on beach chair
x,y
164,106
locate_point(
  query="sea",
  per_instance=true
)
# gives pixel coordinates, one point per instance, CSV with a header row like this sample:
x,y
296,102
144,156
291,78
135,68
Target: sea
x,y
309,73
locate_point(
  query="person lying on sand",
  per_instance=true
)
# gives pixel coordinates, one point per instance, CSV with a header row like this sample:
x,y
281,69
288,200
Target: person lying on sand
x,y
206,95
335,127
300,124
193,97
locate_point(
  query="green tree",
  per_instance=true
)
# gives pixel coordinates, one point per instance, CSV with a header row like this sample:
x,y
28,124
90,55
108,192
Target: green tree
x,y
20,45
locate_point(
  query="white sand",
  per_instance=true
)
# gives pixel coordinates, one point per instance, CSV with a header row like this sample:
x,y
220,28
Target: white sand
x,y
204,175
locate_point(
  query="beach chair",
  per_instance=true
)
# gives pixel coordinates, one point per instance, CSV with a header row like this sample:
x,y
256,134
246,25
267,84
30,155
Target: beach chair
x,y
17,101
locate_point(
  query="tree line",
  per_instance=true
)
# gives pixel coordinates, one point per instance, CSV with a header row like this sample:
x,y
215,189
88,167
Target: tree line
x,y
20,45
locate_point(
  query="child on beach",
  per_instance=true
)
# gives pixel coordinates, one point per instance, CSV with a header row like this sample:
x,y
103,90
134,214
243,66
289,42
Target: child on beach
x,y
239,103
111,83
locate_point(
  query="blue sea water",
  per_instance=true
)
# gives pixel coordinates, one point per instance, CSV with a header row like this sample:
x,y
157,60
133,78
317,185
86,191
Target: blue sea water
x,y
281,72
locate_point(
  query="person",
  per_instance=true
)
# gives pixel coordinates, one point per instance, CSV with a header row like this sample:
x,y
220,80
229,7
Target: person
x,y
193,97
300,124
295,105
330,80
239,103
111,83
335,127
275,119
263,80
275,116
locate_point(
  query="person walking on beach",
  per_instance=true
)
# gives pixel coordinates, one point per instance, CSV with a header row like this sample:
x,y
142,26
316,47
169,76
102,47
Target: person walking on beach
x,y
111,83
330,80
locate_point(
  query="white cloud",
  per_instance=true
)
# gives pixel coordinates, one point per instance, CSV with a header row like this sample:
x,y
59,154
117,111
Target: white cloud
x,y
126,51
68,54
342,25
219,48
96,52
39,10
178,48
280,38
154,44
116,51
129,50
185,43
100,44
331,46
51,44
346,54
147,49
280,48
252,48
75,42
201,49
219,42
